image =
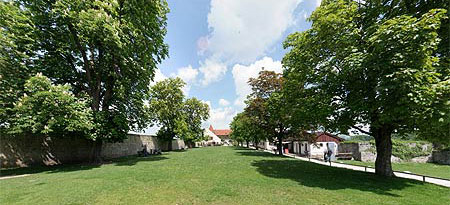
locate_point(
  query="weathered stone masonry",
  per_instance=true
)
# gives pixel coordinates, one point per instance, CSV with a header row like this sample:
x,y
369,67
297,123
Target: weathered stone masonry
x,y
27,151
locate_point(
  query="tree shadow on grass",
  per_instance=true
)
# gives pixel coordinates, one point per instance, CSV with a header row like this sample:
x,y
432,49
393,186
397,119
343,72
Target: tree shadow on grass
x,y
133,160
330,178
122,161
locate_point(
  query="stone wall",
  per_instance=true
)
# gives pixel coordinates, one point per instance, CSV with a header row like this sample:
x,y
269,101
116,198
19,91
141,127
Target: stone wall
x,y
129,146
177,144
26,151
360,150
364,151
441,157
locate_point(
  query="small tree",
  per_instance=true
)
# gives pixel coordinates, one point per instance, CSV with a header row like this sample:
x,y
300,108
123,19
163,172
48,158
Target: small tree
x,y
166,108
245,129
176,116
195,113
47,109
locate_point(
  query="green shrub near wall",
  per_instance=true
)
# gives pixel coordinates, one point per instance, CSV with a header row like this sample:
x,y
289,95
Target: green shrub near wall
x,y
403,150
400,148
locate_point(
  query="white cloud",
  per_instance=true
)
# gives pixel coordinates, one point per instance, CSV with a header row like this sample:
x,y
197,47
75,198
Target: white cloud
x,y
242,31
318,2
151,130
242,75
212,71
220,118
202,45
223,102
188,75
159,76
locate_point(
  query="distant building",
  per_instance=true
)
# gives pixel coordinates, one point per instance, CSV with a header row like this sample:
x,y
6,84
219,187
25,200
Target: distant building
x,y
212,139
223,134
323,142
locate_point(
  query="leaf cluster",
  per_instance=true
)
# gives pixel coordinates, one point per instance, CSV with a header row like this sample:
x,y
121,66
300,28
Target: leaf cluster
x,y
175,115
375,63
49,109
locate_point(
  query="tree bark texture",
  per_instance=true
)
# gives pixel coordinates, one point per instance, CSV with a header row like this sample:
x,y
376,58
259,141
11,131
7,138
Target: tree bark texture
x,y
383,144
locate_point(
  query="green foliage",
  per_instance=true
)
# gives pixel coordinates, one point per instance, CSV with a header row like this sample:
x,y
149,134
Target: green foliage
x,y
50,110
382,76
105,49
405,136
371,63
245,128
16,41
166,107
175,115
266,105
196,112
361,138
405,149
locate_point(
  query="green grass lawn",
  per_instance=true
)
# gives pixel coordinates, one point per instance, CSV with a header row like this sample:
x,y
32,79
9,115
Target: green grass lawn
x,y
429,169
213,175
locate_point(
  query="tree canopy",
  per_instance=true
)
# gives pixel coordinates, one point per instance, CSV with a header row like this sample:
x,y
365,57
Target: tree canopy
x,y
50,110
107,50
176,116
363,64
245,128
265,116
196,112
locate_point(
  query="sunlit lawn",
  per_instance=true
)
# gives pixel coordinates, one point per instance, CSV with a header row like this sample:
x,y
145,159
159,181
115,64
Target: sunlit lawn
x,y
429,169
213,175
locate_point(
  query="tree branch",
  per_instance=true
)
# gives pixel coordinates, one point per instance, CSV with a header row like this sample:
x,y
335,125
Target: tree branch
x,y
82,51
361,130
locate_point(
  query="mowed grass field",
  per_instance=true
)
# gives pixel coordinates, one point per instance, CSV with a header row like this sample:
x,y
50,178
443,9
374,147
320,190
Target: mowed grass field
x,y
429,169
212,175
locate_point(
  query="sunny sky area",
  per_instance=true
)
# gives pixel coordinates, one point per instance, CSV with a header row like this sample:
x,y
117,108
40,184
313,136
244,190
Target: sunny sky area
x,y
215,46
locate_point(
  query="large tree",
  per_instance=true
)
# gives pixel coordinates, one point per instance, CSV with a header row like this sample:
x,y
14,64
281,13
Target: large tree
x,y
266,106
371,63
105,49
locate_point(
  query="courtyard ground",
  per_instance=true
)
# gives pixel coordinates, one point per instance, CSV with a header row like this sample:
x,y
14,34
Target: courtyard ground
x,y
217,175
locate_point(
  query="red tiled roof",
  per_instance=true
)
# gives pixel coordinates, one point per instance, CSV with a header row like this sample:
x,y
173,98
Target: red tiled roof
x,y
222,132
319,137
326,137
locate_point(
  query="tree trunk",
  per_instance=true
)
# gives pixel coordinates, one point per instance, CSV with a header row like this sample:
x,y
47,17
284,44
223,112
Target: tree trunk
x,y
247,144
256,145
280,146
169,145
97,151
383,143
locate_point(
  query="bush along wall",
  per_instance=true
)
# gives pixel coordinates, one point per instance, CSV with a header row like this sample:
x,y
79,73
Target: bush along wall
x,y
407,150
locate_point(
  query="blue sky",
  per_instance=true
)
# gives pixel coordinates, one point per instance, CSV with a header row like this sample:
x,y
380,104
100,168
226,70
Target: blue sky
x,y
215,46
